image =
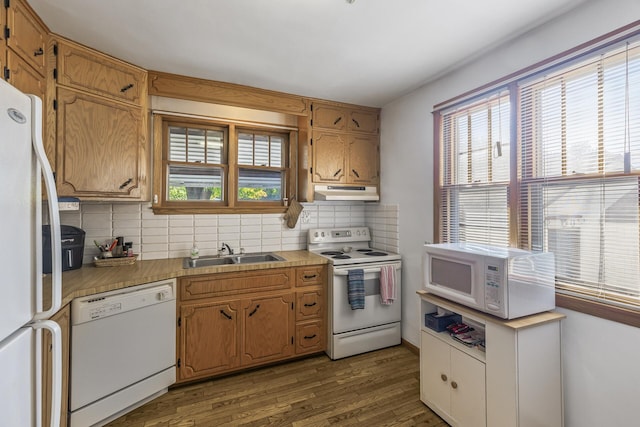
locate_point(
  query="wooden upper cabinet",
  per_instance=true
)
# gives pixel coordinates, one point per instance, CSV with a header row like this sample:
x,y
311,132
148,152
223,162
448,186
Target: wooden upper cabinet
x,y
329,157
363,121
363,154
344,145
327,116
27,35
99,74
24,77
101,147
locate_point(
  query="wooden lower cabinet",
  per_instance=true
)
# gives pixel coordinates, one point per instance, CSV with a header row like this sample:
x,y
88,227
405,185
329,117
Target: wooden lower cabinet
x,y
62,318
208,339
267,329
274,315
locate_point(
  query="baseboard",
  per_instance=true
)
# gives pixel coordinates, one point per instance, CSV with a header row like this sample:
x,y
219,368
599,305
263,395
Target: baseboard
x,y
412,348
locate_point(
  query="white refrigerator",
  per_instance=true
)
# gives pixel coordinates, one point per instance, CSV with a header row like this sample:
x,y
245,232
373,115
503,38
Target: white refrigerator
x,y
23,167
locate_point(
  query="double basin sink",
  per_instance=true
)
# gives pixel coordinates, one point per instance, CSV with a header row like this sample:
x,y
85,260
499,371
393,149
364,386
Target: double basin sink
x,y
212,261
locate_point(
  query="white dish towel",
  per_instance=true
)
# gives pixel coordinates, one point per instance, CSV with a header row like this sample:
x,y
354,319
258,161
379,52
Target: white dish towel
x,y
387,284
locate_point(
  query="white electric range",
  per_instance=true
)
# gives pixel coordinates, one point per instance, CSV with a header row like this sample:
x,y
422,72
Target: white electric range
x,y
376,326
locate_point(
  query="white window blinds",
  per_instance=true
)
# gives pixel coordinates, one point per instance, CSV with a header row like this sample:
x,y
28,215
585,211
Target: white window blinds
x,y
579,173
474,171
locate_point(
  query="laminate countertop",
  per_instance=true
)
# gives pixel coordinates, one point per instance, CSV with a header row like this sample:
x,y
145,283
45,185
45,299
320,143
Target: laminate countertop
x,y
89,280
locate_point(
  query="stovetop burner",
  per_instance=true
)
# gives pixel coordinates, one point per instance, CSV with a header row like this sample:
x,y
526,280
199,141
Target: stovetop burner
x,y
347,246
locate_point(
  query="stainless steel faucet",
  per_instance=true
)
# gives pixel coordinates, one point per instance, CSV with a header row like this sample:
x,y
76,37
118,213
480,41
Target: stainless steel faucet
x,y
227,248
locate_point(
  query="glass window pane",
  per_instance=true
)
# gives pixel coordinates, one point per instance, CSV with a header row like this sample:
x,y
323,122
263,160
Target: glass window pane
x,y
260,185
582,124
195,183
245,149
195,148
277,144
177,144
261,155
215,146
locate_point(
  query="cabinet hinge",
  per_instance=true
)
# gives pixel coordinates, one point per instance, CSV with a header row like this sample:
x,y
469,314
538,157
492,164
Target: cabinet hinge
x,y
291,340
7,32
311,141
311,122
311,171
178,363
55,104
291,306
55,50
7,4
55,74
7,73
179,321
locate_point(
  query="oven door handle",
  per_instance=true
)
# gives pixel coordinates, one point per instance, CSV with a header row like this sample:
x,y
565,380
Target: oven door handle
x,y
366,271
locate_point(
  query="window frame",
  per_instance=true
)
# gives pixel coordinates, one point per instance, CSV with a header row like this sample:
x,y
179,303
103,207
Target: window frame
x,y
583,303
230,204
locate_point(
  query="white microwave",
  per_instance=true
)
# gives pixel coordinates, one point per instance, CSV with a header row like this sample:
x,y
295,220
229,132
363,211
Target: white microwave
x,y
505,282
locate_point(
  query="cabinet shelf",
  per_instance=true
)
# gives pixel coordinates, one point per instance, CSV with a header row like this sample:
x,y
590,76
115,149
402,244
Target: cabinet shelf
x,y
474,352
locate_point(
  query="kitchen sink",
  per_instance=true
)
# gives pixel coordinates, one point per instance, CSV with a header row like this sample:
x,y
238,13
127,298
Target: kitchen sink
x,y
212,261
252,258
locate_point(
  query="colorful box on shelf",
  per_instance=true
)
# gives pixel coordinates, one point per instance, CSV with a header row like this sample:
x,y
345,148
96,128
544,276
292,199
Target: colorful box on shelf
x,y
439,322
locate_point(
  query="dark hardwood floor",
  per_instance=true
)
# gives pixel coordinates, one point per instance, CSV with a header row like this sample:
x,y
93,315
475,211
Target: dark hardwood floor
x,y
380,388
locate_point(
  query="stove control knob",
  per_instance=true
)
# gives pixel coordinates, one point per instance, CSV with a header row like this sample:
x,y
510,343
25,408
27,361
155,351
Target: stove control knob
x,y
322,234
316,234
358,232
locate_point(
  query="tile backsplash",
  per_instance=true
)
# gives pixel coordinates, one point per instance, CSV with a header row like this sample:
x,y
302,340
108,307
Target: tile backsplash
x,y
172,236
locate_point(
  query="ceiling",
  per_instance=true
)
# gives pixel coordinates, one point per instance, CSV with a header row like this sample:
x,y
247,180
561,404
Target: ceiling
x,y
369,52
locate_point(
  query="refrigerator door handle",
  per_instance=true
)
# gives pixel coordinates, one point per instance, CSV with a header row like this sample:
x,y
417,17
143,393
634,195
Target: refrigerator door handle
x,y
54,215
56,371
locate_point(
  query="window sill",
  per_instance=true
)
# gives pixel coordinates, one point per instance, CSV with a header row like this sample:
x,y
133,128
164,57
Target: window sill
x,y
604,311
218,211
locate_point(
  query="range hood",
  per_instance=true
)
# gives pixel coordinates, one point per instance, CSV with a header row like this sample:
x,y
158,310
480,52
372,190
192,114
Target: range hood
x,y
345,192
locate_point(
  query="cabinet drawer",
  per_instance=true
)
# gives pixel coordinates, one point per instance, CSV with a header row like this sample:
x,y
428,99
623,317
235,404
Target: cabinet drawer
x,y
309,304
226,284
310,276
363,121
27,38
309,337
99,74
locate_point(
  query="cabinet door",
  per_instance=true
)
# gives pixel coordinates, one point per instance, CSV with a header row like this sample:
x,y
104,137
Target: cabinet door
x,y
208,339
267,328
87,70
101,147
329,157
62,318
363,121
329,117
24,76
363,157
434,373
468,392
28,38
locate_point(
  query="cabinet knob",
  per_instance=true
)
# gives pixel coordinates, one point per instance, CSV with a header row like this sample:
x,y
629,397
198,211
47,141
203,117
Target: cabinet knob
x,y
310,305
355,173
355,122
38,52
337,121
443,377
337,172
308,337
126,88
454,384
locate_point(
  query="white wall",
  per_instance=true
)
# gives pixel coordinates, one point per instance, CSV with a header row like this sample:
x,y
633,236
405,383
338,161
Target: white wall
x,y
599,357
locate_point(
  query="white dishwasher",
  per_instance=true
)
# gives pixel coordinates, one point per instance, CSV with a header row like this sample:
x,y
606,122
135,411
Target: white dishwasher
x,y
122,351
